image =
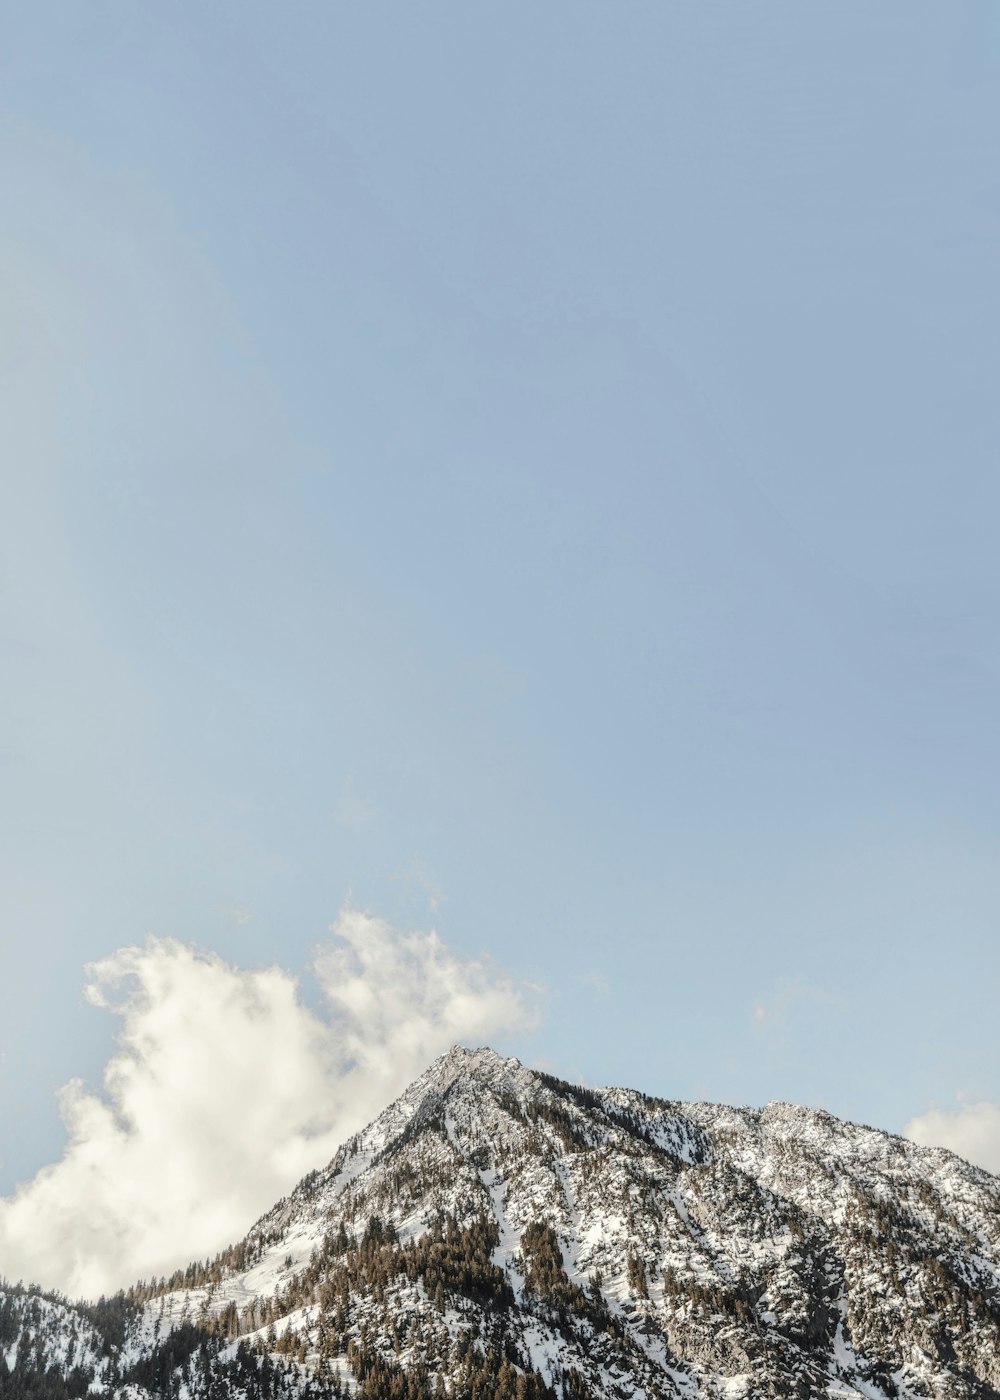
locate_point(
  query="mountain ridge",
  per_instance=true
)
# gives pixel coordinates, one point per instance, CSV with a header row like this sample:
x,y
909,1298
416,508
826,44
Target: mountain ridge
x,y
499,1231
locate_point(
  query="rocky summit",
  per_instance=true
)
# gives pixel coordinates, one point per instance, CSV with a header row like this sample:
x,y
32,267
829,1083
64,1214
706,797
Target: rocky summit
x,y
498,1232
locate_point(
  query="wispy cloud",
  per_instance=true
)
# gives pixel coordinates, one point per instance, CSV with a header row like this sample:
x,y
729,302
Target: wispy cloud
x,y
972,1130
225,1088
420,884
773,1013
353,811
595,982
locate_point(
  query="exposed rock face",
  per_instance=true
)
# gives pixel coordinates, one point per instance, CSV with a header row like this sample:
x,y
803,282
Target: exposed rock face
x,y
498,1232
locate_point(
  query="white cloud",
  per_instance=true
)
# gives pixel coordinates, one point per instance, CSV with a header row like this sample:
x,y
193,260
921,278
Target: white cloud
x,y
225,1088
972,1130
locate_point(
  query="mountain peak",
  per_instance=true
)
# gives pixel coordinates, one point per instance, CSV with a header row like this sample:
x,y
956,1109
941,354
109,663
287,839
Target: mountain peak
x,y
497,1231
481,1060
482,1067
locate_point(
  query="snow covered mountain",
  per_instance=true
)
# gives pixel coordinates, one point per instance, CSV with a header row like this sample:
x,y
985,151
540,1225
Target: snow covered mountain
x,y
497,1232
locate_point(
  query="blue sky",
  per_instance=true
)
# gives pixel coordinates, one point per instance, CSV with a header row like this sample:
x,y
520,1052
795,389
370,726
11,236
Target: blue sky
x,y
526,471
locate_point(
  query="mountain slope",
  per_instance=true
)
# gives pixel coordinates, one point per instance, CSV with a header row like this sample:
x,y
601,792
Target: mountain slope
x,y
498,1232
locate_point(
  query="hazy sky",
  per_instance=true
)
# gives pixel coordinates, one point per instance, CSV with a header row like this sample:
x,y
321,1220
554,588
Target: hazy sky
x,y
524,471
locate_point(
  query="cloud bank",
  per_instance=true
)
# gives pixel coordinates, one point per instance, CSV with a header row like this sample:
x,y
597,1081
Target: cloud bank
x,y
972,1130
225,1089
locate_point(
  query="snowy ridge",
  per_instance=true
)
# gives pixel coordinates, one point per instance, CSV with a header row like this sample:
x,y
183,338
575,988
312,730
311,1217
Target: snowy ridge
x,y
48,1334
498,1232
